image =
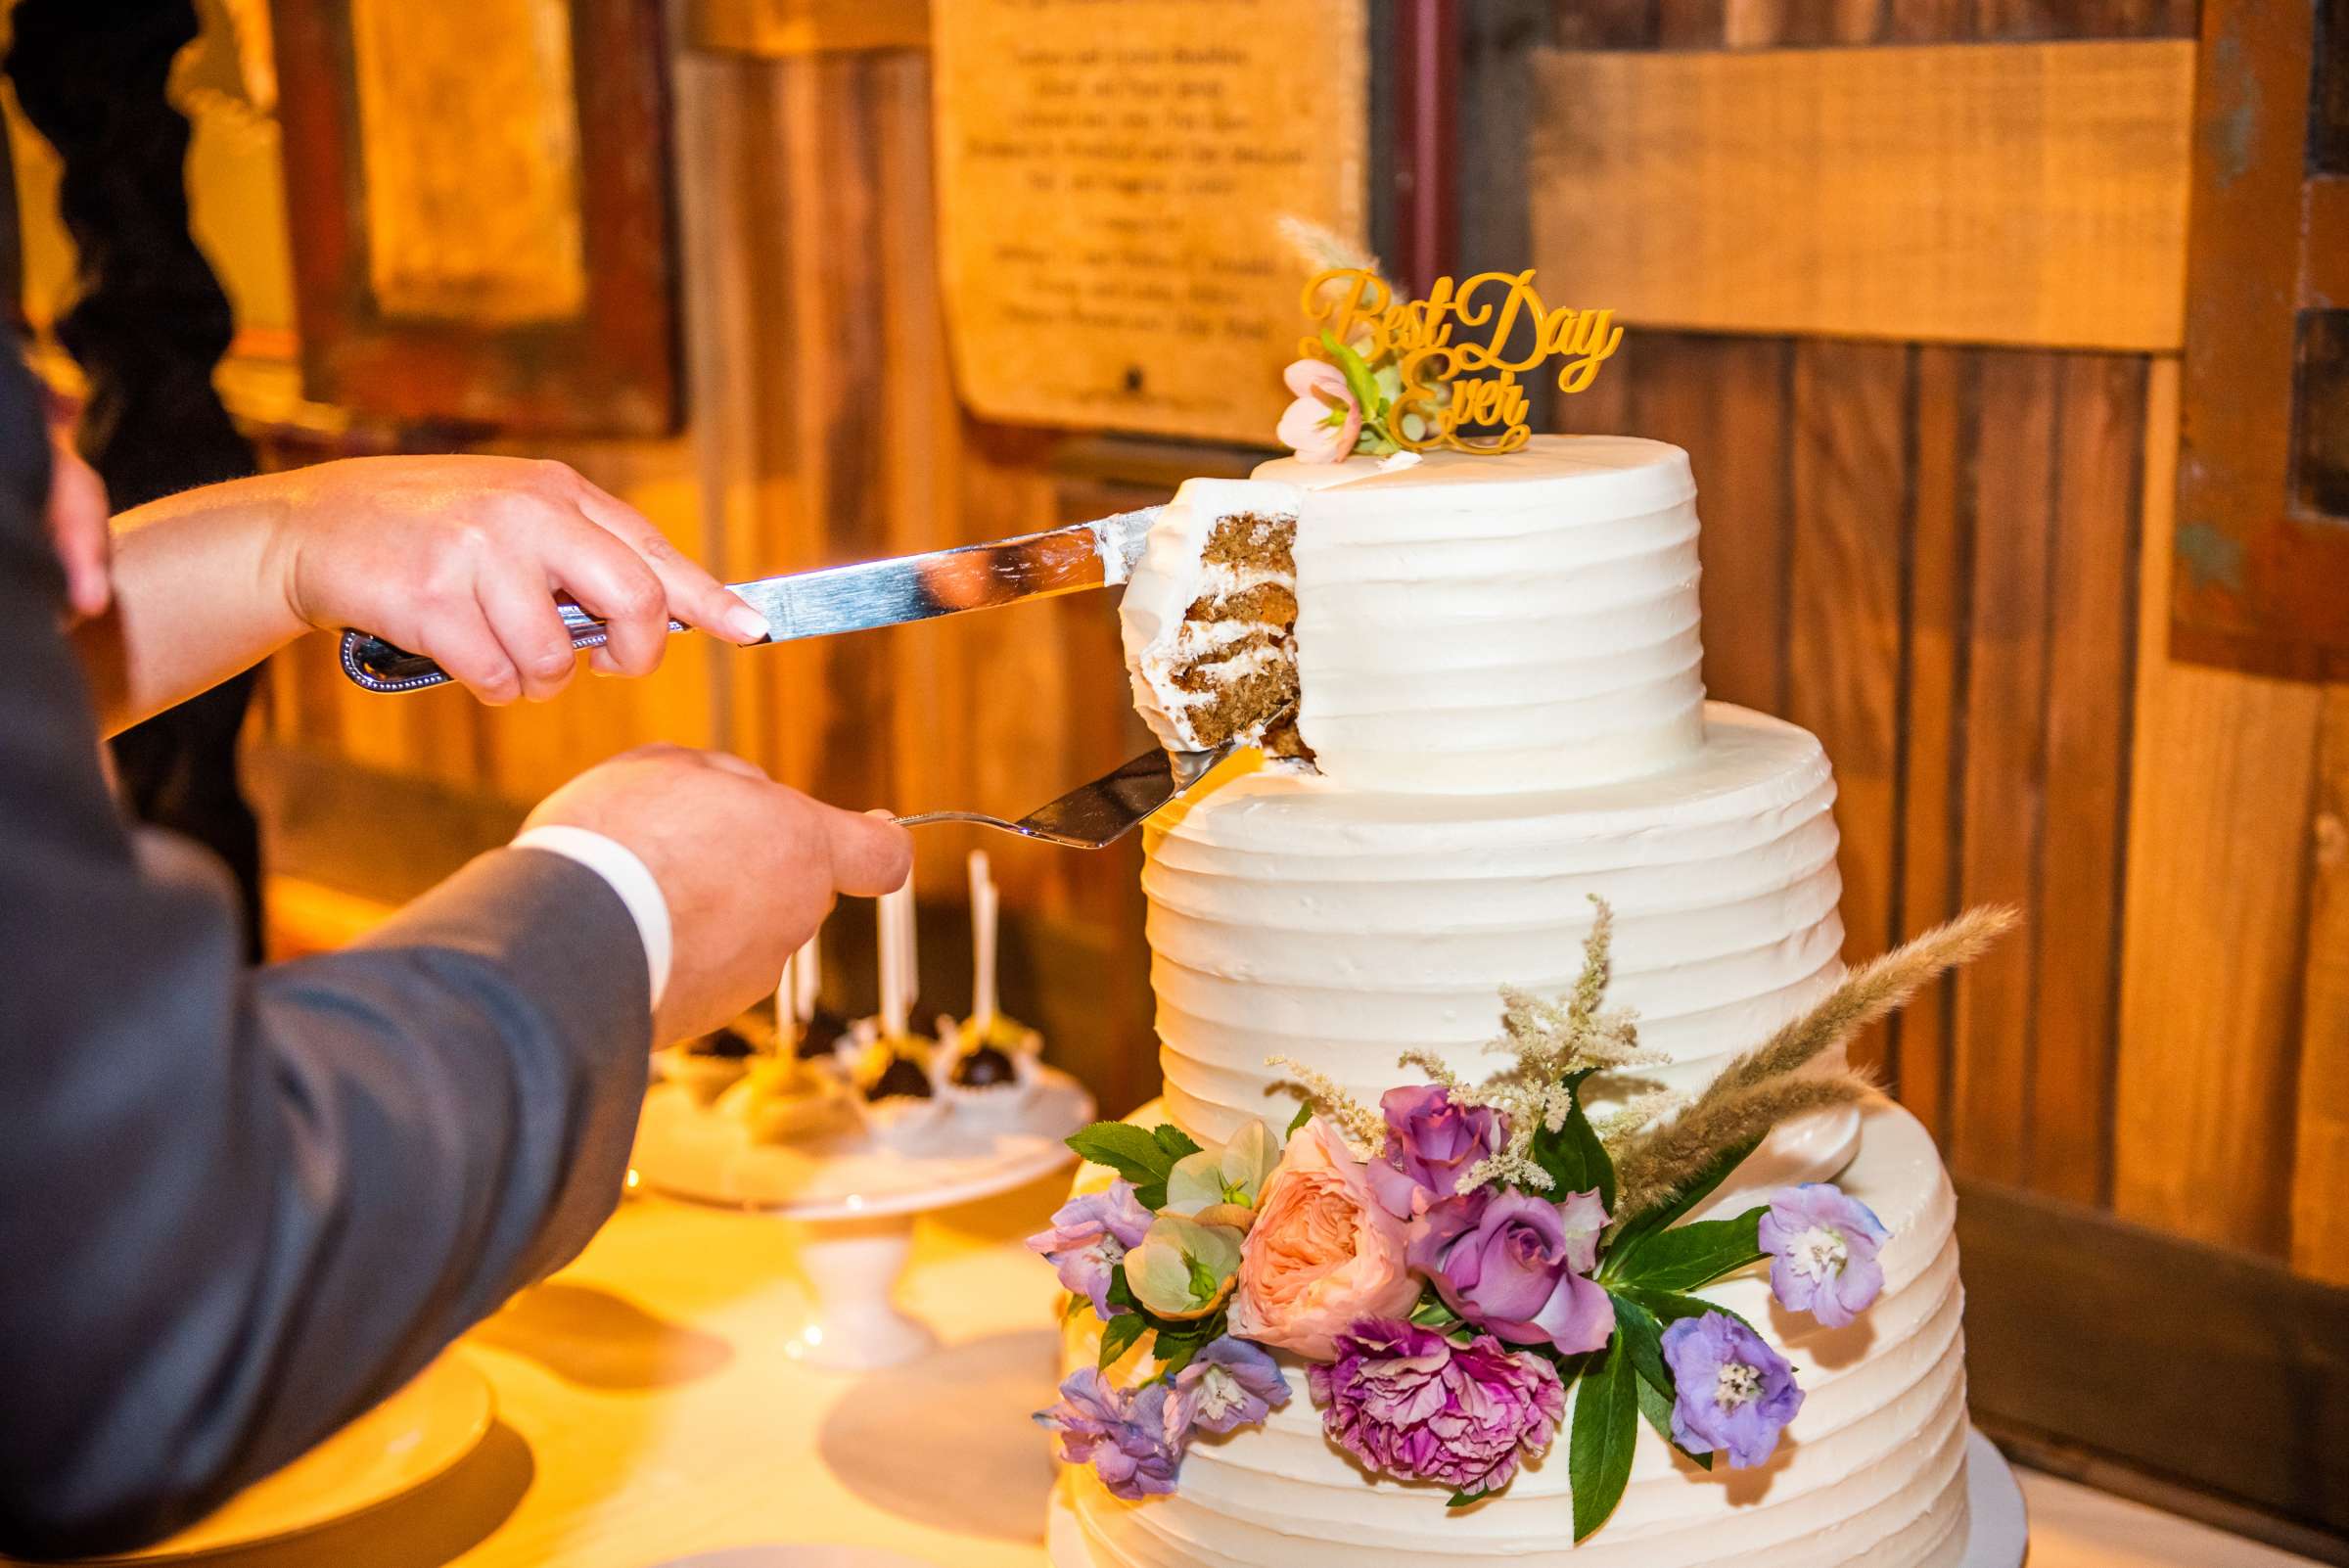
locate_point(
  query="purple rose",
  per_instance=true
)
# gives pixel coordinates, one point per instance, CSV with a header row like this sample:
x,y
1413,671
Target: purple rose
x,y
1736,1393
1123,1433
1431,1139
1516,1263
1408,1402
1825,1243
1229,1384
1090,1234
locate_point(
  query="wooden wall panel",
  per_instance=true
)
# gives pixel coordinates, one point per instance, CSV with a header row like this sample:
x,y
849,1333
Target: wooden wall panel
x,y
2005,727
2099,467
1824,190
1939,599
1846,466
2321,1152
2221,794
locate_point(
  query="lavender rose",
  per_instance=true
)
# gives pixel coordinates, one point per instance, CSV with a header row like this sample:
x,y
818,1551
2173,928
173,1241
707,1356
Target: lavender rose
x,y
1229,1384
1123,1434
1090,1235
1409,1403
1431,1140
1825,1243
1736,1393
1516,1263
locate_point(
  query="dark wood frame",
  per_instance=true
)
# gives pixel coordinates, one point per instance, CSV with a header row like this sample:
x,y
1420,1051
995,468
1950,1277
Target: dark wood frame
x,y
2260,584
611,370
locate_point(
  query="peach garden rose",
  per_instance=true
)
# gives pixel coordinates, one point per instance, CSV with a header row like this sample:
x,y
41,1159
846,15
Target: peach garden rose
x,y
1323,1253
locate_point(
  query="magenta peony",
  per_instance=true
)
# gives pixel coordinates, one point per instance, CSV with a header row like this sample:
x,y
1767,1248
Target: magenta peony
x,y
1408,1403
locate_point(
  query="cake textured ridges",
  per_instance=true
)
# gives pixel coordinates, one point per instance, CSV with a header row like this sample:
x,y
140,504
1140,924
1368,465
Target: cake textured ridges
x,y
1460,626
1294,918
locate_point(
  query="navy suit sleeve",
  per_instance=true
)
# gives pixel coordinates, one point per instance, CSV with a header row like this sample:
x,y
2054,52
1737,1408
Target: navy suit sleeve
x,y
237,1207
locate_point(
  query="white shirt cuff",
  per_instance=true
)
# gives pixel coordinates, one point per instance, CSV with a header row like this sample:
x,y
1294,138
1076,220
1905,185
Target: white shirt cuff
x,y
618,865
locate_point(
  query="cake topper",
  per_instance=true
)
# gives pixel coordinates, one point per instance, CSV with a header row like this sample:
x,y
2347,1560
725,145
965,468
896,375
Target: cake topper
x,y
1382,373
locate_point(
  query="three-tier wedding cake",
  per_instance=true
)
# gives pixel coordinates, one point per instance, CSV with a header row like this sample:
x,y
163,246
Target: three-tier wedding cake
x,y
1475,683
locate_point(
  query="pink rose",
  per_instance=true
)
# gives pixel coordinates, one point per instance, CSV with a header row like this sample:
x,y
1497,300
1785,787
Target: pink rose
x,y
1321,389
1323,1254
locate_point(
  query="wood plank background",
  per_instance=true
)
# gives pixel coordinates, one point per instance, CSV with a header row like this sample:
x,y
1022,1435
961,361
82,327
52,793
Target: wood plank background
x,y
1948,559
1951,563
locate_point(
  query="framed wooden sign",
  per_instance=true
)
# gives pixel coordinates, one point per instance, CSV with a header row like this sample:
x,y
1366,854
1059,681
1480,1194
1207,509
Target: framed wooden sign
x,y
1112,181
479,209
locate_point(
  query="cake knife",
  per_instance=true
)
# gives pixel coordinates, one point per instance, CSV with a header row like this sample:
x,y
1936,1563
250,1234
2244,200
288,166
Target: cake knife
x,y
855,597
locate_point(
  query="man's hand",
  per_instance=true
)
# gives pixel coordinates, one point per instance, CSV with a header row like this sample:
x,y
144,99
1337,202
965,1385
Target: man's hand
x,y
459,558
748,867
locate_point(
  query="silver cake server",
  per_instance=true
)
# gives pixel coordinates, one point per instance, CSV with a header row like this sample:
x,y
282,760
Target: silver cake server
x,y
1095,815
855,597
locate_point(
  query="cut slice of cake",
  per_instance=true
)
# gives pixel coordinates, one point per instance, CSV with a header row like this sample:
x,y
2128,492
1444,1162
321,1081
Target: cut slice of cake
x,y
1210,619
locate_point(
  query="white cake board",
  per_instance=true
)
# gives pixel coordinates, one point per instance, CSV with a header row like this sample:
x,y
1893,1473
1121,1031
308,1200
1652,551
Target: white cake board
x,y
1996,1531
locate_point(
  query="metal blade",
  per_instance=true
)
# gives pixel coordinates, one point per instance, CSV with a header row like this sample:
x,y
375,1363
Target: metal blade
x,y
944,582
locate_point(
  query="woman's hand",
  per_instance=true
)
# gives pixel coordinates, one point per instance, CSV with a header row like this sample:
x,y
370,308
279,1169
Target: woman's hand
x,y
459,558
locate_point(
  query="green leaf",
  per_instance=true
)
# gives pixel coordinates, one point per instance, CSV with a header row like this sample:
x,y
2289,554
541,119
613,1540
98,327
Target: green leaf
x,y
1305,1114
1118,1336
1175,1349
1461,1499
1670,1307
1687,1255
1432,1312
1129,1151
1175,1141
1077,1304
1359,380
1606,1427
1643,1338
1686,1199
1576,1162
1657,1407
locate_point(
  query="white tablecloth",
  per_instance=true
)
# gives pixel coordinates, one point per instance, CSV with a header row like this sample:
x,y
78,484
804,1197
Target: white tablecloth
x,y
648,1408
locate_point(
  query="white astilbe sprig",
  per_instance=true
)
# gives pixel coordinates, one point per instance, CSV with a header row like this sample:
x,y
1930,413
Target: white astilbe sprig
x,y
1549,1042
1636,1114
1363,1126
1325,248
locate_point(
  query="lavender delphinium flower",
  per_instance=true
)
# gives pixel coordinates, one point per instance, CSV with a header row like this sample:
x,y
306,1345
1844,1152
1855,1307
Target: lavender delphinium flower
x,y
1432,1139
1090,1234
1736,1393
1123,1434
1517,1263
1229,1384
1824,1243
1408,1402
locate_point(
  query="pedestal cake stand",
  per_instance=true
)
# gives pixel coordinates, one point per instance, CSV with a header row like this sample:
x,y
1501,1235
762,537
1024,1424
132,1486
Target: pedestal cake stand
x,y
857,1197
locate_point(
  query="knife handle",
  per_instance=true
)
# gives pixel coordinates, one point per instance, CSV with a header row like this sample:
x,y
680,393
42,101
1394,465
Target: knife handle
x,y
374,665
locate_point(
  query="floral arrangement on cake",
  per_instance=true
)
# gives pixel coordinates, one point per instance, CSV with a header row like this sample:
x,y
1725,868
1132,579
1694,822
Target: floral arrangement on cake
x,y
1449,1264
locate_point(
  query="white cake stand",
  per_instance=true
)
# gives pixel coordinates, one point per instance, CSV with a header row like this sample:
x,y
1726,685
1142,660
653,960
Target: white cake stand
x,y
1996,1532
857,1197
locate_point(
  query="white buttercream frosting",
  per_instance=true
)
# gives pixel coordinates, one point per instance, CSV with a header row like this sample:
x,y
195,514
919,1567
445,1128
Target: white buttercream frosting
x,y
1292,916
1869,1474
1465,625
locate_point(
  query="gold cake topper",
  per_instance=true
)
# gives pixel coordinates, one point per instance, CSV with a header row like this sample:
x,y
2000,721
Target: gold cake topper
x,y
1385,374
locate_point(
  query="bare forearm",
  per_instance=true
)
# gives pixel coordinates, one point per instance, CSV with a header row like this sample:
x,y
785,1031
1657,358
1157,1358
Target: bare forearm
x,y
200,594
